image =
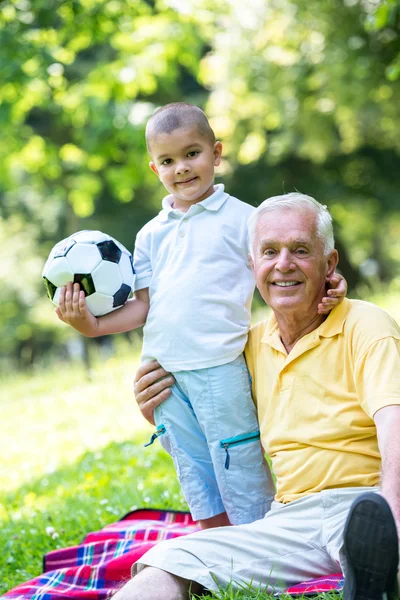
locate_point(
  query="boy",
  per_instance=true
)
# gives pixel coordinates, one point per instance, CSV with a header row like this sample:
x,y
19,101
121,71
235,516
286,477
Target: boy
x,y
194,279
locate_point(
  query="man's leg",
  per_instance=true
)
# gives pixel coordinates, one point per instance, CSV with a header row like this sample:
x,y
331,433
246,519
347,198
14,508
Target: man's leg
x,y
371,550
155,584
277,551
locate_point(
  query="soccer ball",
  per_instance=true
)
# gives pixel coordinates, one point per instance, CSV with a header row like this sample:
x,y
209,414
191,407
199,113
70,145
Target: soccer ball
x,y
102,266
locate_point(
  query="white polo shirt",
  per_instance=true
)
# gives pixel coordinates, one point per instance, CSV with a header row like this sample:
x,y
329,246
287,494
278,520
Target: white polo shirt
x,y
200,282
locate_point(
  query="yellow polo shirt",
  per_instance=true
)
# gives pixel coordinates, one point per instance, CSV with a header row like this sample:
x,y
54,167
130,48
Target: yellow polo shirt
x,y
316,404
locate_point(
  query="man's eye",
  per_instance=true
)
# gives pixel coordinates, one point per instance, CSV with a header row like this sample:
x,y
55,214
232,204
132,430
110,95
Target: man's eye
x,y
167,161
193,153
302,251
269,252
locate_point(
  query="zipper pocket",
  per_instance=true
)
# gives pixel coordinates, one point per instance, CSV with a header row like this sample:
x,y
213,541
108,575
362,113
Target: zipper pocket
x,y
245,438
159,431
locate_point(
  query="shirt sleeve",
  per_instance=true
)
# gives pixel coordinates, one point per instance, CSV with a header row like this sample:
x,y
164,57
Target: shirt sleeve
x,y
142,262
377,375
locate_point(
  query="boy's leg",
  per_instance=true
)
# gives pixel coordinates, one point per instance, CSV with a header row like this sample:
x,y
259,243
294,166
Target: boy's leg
x,y
185,442
221,398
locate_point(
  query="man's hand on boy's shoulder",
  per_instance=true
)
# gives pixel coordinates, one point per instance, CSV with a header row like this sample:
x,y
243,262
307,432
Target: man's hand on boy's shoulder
x,y
72,310
336,292
151,387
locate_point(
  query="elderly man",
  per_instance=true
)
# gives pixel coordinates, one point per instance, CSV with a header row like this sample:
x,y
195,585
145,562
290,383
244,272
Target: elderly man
x,y
327,391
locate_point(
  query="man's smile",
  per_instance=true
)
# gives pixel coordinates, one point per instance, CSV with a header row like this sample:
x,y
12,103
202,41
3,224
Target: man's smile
x,y
286,283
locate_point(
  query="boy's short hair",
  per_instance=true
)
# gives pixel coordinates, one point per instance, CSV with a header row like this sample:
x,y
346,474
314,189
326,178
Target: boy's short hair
x,y
178,115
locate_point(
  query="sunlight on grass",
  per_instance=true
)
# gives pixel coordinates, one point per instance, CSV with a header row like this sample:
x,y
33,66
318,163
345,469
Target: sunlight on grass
x,y
73,460
50,420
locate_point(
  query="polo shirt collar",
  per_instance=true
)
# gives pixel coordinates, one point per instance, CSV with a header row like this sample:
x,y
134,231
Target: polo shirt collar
x,y
212,203
333,325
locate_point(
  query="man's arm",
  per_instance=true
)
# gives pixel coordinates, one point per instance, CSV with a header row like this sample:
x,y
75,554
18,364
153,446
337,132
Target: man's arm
x,y
72,310
387,421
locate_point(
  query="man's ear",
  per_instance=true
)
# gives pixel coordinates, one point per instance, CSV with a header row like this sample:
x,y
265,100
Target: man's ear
x,y
217,153
251,261
153,168
332,262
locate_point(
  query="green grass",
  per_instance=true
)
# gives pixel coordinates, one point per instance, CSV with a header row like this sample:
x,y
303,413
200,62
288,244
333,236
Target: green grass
x,y
73,461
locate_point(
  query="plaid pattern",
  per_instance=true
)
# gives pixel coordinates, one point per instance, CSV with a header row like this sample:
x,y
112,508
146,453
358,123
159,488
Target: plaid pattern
x,y
99,566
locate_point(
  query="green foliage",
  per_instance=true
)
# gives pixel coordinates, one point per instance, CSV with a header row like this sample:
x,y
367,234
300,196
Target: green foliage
x,y
304,95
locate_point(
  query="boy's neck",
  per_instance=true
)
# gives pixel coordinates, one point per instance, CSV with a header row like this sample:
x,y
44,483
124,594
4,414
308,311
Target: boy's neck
x,y
184,205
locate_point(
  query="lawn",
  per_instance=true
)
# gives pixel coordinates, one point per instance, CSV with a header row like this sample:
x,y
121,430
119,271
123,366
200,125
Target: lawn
x,y
73,460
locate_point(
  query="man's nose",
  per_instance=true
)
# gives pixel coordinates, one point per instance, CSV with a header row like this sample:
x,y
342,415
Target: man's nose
x,y
285,261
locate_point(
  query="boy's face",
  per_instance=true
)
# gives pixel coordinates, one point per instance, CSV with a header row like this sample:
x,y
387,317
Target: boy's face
x,y
184,162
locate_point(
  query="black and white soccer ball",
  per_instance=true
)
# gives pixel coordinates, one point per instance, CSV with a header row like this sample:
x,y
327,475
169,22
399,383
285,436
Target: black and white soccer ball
x,y
99,263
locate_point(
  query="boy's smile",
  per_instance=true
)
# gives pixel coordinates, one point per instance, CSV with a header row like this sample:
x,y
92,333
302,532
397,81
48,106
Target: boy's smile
x,y
184,161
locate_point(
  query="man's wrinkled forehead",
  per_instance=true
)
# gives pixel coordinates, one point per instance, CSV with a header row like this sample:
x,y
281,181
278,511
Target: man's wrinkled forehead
x,y
287,225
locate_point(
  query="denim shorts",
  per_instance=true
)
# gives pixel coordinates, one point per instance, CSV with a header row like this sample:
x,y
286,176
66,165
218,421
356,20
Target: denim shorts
x,y
209,426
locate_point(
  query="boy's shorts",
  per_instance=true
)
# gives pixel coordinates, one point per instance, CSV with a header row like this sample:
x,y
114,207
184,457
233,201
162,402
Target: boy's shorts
x,y
209,426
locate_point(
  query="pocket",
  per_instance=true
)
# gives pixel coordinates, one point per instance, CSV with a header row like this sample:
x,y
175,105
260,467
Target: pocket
x,y
238,440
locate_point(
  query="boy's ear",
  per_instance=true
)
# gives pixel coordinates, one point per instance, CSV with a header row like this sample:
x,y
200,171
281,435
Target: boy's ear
x,y
217,153
153,168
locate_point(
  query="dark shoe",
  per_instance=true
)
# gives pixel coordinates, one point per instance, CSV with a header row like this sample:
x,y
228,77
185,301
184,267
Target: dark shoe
x,y
372,551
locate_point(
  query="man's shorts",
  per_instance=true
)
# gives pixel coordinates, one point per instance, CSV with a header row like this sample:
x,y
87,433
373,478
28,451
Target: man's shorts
x,y
209,426
293,542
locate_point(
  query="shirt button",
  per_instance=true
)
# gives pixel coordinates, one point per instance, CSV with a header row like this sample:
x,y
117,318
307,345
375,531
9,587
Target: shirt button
x,y
182,234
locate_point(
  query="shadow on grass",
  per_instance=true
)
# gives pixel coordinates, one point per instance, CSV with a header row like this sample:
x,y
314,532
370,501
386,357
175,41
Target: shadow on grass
x,y
99,488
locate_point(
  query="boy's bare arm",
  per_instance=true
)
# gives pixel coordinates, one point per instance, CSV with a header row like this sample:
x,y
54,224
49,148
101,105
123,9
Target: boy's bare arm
x,y
72,310
336,292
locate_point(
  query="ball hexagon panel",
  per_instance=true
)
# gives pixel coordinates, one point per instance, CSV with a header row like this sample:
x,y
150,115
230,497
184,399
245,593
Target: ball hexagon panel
x,y
59,271
88,236
64,247
100,304
126,268
83,258
107,277
109,251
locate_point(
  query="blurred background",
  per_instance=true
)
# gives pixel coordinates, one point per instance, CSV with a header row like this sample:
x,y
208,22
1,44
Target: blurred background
x,y
304,95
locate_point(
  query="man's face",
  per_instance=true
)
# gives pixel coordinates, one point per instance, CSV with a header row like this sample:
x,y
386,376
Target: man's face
x,y
184,162
289,262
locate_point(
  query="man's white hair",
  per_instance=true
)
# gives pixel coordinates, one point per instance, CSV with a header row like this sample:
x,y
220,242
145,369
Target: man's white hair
x,y
296,200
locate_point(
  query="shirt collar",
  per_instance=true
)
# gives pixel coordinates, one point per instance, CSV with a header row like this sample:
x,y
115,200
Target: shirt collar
x,y
333,325
213,203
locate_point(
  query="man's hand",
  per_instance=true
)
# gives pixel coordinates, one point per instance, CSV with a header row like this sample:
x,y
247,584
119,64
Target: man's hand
x,y
72,310
151,387
335,294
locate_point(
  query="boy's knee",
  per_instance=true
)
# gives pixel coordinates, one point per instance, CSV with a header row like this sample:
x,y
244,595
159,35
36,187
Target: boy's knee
x,y
154,584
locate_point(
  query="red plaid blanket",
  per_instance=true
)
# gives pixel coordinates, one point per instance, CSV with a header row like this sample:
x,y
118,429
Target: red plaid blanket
x,y
95,569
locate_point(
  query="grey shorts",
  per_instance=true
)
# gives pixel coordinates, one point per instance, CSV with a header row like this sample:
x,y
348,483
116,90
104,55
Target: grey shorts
x,y
292,543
